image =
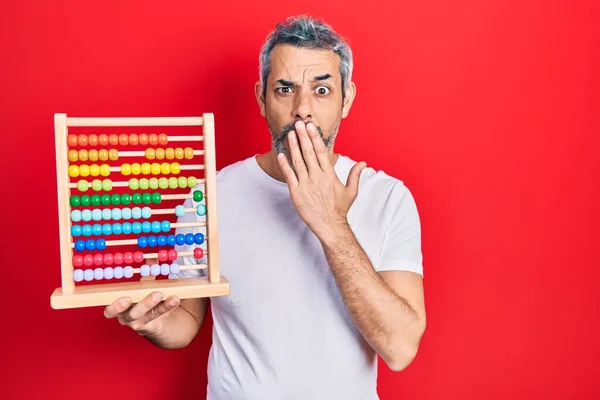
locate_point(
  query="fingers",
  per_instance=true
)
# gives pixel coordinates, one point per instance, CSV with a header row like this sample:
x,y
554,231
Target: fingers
x,y
354,178
306,147
288,172
297,159
321,152
140,314
117,307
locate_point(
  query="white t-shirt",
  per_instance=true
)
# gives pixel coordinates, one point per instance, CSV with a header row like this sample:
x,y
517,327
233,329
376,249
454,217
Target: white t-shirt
x,y
284,332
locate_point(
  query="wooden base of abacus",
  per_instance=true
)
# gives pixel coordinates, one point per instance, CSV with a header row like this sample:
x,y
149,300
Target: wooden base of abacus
x,y
104,294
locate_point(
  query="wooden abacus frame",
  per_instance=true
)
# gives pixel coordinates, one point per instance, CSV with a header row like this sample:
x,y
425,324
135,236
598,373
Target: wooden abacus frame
x,y
71,296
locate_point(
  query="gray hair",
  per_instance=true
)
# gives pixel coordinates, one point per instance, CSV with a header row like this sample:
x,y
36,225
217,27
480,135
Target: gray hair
x,y
306,32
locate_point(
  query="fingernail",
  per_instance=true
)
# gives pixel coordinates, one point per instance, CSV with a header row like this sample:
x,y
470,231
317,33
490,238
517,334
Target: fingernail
x,y
173,302
125,302
156,296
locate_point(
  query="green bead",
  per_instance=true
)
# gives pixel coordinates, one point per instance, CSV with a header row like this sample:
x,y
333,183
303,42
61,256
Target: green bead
x,y
136,198
163,183
96,185
95,200
192,182
198,196
82,185
125,199
173,182
144,183
115,200
75,201
156,197
146,198
85,200
153,183
105,199
182,181
106,185
134,184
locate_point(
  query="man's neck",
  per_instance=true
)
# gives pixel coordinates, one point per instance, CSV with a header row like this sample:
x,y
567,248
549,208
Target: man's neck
x,y
268,163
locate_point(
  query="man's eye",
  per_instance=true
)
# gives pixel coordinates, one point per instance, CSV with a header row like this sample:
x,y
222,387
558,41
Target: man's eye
x,y
323,90
284,90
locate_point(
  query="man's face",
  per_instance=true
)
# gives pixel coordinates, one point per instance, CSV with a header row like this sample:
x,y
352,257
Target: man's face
x,y
304,84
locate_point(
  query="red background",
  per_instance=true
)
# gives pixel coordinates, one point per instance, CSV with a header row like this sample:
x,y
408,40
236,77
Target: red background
x,y
487,110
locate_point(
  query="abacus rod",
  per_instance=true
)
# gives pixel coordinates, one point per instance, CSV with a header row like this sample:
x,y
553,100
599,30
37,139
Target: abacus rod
x,y
195,138
181,267
122,242
187,167
143,153
162,211
135,121
177,196
121,184
183,253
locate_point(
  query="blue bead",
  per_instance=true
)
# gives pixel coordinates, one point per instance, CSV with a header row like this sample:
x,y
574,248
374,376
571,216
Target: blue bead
x,y
165,226
76,215
116,228
128,271
106,214
189,238
86,215
199,238
161,240
116,214
126,228
96,214
142,241
180,239
118,272
136,228
108,273
86,230
90,244
80,245
97,229
98,274
174,268
155,269
101,244
136,213
76,230
152,241
201,210
146,212
179,211
146,227
78,275
145,270
88,274
126,213
107,229
164,269
171,240
156,227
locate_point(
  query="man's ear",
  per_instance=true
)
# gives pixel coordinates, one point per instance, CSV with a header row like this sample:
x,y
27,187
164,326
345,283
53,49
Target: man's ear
x,y
258,92
350,94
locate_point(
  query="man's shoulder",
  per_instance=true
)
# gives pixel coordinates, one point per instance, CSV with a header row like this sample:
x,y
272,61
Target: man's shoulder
x,y
234,170
372,179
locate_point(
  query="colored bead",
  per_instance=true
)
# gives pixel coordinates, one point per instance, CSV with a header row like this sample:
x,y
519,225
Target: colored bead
x,y
169,153
82,140
125,199
101,244
126,213
146,168
179,211
188,153
80,245
153,183
77,260
90,245
93,155
115,199
116,214
113,140
84,170
98,259
105,199
172,255
123,139
108,273
165,226
146,227
75,201
75,230
192,181
128,271
144,184
95,200
160,154
165,168
155,269
106,185
175,168
117,228
126,226
88,275
180,239
161,240
73,171
94,170
97,229
142,242
145,270
118,272
136,169
152,241
153,139
106,214
155,227
182,182
118,258
83,155
150,153
96,185
163,183
179,153
105,170
78,275
86,200
146,212
198,196
72,155
143,139
86,230
134,184
103,155
146,198
72,140
164,269
173,183
136,227
136,213
103,139
174,268
76,215
128,257
133,139
163,139
99,274
126,169
93,140
156,198
201,209
86,215
138,256
171,240
88,260
163,255
113,154
198,252
198,238
107,229
155,168
108,259
189,238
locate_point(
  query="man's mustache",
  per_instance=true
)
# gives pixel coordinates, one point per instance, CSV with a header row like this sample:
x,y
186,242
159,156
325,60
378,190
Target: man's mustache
x,y
290,127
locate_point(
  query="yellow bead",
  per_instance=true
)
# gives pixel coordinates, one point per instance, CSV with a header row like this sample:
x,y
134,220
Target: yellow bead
x,y
170,153
73,155
175,168
126,169
113,154
160,154
136,169
155,168
103,154
83,155
84,170
189,153
105,170
94,170
165,168
93,155
179,153
145,168
73,171
150,153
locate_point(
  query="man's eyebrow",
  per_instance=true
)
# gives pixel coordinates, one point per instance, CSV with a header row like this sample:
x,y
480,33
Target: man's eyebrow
x,y
322,77
287,83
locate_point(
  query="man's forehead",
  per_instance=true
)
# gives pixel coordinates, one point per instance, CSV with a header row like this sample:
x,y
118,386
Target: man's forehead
x,y
290,62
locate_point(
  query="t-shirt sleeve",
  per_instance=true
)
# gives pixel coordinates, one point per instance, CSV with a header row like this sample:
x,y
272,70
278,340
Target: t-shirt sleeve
x,y
402,243
189,260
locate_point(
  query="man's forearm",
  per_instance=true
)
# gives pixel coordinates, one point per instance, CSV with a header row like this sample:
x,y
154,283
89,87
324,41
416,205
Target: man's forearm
x,y
387,321
177,330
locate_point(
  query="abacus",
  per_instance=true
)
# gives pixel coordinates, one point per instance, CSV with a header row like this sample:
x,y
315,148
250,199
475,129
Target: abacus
x,y
92,274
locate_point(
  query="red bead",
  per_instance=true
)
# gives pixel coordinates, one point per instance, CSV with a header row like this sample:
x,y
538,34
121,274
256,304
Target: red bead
x,y
172,255
153,139
133,139
143,139
128,257
88,260
138,256
118,258
82,140
93,140
123,139
103,139
162,255
162,139
77,260
113,139
72,140
98,259
108,259
198,252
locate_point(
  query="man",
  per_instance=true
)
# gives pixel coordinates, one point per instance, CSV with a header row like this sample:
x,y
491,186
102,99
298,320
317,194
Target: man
x,y
323,255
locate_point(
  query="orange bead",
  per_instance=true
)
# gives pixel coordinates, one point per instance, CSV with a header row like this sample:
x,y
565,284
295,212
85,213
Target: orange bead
x,y
170,153
93,140
179,153
113,140
150,153
133,139
160,154
103,154
103,140
83,155
153,139
93,155
82,140
162,139
123,139
72,140
73,155
113,154
189,153
143,139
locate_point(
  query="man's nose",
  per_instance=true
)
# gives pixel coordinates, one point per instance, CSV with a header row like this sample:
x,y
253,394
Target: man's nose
x,y
302,109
